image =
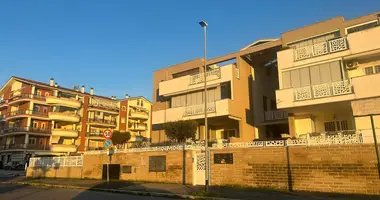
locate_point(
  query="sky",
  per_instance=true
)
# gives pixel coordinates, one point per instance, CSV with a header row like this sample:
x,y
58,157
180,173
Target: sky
x,y
115,46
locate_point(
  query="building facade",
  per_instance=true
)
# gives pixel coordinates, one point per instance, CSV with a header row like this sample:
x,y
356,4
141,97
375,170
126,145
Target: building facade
x,y
47,119
328,77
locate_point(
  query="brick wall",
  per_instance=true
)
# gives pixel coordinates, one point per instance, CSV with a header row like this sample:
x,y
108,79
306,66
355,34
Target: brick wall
x,y
341,169
140,166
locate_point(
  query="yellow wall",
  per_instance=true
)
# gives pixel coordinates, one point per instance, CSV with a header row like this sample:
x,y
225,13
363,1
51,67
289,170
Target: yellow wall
x,y
304,124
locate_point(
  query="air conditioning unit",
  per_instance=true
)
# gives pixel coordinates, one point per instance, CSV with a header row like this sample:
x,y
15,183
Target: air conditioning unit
x,y
352,65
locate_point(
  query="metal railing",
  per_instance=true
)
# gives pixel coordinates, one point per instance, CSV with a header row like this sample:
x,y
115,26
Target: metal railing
x,y
323,48
14,97
25,129
3,102
26,112
323,90
275,115
103,121
199,109
210,75
103,107
56,162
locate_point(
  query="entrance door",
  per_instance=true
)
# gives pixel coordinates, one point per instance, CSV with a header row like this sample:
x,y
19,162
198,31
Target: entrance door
x,y
200,168
114,172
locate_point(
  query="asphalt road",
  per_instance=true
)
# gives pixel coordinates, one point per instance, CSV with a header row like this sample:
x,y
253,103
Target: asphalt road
x,y
21,192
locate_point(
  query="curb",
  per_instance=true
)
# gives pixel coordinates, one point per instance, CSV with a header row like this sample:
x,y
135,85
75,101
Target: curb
x,y
132,192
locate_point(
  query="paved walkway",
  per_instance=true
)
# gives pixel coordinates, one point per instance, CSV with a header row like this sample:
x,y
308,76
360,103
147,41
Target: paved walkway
x,y
226,192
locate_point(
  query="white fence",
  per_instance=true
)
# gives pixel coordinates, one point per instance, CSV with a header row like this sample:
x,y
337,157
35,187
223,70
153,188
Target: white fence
x,y
56,162
322,139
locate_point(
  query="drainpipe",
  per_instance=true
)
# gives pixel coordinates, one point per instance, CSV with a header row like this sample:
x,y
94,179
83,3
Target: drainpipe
x,y
376,146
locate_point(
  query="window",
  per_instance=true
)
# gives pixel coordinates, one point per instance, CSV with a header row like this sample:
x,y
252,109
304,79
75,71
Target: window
x,y
362,27
330,126
313,75
36,108
138,102
226,91
157,163
142,103
344,125
237,72
32,140
47,94
126,169
35,124
44,110
124,108
43,125
368,70
123,120
229,133
265,103
41,141
185,73
39,92
377,69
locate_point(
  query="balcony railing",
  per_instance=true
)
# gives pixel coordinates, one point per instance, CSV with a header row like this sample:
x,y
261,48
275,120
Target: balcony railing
x,y
199,109
3,102
323,90
210,75
323,48
26,129
14,97
26,112
24,146
103,121
275,115
104,107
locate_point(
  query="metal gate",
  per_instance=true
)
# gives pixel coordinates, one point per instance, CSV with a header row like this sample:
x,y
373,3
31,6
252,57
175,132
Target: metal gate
x,y
200,168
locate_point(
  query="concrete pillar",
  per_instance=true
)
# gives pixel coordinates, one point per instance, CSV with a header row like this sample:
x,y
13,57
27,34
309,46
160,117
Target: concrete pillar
x,y
31,104
26,141
33,89
292,125
29,122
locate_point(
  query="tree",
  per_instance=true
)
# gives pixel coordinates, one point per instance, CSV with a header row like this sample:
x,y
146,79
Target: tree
x,y
120,137
181,130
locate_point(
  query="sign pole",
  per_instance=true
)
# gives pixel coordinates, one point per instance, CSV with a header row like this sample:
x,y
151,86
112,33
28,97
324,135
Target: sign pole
x,y
107,134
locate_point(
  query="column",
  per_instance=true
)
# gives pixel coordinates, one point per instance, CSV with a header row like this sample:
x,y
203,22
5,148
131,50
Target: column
x,y
292,126
26,141
31,104
33,89
29,122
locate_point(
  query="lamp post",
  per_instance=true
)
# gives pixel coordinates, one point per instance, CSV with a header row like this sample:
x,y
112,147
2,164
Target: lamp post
x,y
204,25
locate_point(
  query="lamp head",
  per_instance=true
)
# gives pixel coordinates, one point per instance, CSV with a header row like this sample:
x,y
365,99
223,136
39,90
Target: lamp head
x,y
203,23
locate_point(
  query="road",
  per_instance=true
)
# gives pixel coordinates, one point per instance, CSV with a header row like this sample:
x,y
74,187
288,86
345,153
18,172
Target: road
x,y
21,192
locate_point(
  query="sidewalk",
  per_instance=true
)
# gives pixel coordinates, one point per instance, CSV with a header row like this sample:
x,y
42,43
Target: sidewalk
x,y
178,189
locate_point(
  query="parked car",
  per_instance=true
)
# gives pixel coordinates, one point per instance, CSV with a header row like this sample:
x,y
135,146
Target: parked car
x,y
10,166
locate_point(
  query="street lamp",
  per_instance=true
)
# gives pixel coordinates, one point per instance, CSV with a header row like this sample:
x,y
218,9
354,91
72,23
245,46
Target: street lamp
x,y
204,25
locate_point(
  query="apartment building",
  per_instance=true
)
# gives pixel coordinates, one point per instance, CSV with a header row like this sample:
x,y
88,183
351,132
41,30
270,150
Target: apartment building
x,y
240,93
328,76
46,119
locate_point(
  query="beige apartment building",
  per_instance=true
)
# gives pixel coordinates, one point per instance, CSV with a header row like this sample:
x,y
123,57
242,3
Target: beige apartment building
x,y
315,79
46,119
329,74
241,95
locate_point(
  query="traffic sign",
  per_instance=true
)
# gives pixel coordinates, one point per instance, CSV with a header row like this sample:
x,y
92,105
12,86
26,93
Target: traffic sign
x,y
107,143
107,133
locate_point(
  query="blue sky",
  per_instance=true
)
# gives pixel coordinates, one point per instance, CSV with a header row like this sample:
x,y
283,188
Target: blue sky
x,y
114,46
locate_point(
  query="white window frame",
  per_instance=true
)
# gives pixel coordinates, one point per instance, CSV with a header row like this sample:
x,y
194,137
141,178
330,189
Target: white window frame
x,y
32,139
361,24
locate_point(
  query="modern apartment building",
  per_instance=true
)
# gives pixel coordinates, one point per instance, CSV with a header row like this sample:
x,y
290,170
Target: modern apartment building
x,y
328,76
46,119
240,91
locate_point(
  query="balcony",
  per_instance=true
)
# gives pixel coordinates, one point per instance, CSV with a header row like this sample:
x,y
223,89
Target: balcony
x,y
138,127
274,115
69,148
64,116
24,146
102,122
315,94
319,49
26,113
99,107
22,97
26,130
3,104
62,101
139,115
214,109
64,133
195,82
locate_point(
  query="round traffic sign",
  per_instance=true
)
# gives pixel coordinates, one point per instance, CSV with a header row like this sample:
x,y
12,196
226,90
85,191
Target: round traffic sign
x,y
107,133
107,143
